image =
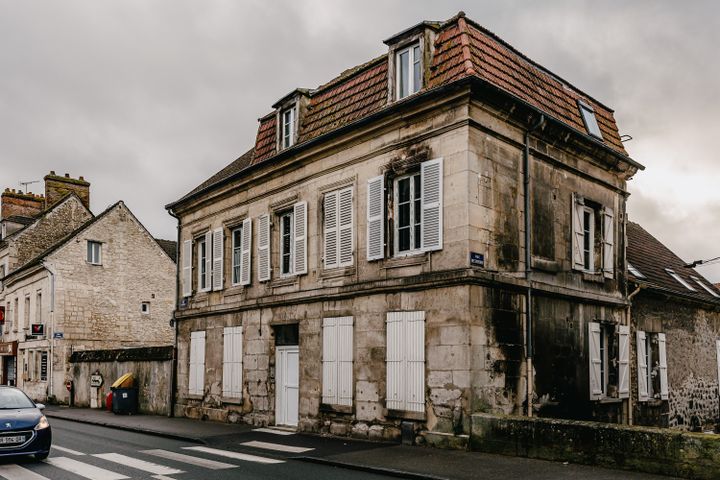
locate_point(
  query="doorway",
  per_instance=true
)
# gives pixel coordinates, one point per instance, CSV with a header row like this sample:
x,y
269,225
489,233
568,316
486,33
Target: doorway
x,y
287,392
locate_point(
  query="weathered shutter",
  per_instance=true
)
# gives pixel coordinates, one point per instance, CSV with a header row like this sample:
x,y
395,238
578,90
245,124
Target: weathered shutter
x,y
329,361
300,238
415,361
608,217
263,247
217,262
232,362
578,232
330,234
345,360
375,218
394,360
431,188
595,360
624,361
196,379
208,261
663,366
642,367
187,268
246,252
345,227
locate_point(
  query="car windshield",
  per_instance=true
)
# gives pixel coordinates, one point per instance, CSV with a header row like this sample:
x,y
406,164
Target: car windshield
x,y
11,398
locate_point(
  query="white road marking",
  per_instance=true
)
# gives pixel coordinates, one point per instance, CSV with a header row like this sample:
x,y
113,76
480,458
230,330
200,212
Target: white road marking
x,y
235,455
67,450
162,477
277,447
274,431
189,459
83,469
16,472
138,464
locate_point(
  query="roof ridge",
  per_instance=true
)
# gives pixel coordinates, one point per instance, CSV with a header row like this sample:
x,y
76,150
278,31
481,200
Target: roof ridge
x,y
465,43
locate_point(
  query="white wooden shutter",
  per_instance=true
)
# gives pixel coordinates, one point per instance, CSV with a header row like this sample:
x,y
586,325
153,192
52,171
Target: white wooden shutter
x,y
208,261
394,360
375,218
246,252
624,361
196,383
608,217
232,362
415,361
330,227
329,361
595,360
300,238
431,187
642,367
217,259
345,360
578,232
264,248
187,268
346,236
663,366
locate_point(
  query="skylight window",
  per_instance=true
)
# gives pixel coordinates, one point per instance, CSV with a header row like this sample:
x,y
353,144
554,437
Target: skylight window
x,y
708,289
588,115
680,279
636,273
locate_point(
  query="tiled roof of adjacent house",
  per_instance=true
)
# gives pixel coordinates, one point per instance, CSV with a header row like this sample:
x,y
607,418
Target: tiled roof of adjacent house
x,y
21,220
462,49
651,259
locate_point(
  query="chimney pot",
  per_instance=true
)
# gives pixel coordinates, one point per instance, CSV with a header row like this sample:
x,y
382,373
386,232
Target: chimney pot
x,y
52,172
81,177
67,175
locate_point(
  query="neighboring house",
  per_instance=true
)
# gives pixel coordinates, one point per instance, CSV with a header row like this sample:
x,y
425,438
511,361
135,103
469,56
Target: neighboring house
x,y
364,264
74,281
675,336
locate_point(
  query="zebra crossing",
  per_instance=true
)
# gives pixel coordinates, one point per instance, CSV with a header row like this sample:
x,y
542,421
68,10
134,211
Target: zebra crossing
x,y
158,464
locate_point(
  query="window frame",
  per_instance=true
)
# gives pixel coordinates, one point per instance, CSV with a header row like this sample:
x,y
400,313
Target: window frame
x,y
290,216
145,308
90,258
589,262
203,274
288,139
414,177
412,61
236,255
587,112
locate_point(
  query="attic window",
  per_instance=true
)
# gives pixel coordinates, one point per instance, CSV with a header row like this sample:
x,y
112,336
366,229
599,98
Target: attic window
x,y
634,271
588,115
680,279
288,127
408,71
707,289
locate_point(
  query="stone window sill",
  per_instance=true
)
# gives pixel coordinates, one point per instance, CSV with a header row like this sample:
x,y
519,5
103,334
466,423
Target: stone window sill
x,y
232,401
194,397
610,400
336,272
398,262
545,265
284,281
593,277
404,415
345,409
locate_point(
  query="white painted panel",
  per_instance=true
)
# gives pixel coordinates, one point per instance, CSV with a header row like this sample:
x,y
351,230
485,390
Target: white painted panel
x,y
624,361
187,268
264,267
395,354
608,217
232,362
329,359
578,232
246,252
345,361
375,218
595,362
300,238
346,236
331,229
431,186
217,259
197,363
664,390
642,367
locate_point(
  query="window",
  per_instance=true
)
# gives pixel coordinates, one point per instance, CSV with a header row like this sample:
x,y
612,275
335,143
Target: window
x,y
680,280
288,121
408,71
196,380
652,366
236,254
9,317
337,361
408,212
145,308
588,115
405,360
232,362
16,315
26,314
204,264
588,248
286,242
38,307
704,286
94,253
291,242
338,236
609,360
593,245
634,271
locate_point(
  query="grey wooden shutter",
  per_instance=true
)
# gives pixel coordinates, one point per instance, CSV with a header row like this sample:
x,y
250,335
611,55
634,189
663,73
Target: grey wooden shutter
x,y
232,362
246,252
196,380
375,218
346,235
330,227
187,268
394,361
431,187
595,361
663,366
578,232
415,361
345,360
608,217
642,367
264,248
329,362
217,259
300,238
623,361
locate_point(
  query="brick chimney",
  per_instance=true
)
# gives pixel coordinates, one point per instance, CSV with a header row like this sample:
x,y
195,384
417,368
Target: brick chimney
x,y
58,187
17,203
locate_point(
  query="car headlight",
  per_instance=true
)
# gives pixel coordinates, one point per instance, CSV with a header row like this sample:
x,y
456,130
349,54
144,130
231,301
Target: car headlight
x,y
42,424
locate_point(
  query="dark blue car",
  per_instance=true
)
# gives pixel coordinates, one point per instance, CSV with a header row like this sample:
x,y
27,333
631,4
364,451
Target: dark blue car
x,y
24,430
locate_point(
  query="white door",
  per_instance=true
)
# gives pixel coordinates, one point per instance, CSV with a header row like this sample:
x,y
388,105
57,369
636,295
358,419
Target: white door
x,y
287,391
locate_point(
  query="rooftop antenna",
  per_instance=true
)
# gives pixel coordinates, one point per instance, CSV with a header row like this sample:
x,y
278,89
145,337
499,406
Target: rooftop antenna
x,y
25,184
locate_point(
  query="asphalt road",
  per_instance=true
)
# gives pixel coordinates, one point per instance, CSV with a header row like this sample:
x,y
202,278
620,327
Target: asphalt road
x,y
99,453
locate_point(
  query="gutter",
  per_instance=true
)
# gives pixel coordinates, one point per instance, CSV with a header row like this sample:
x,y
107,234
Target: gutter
x,y
174,322
628,313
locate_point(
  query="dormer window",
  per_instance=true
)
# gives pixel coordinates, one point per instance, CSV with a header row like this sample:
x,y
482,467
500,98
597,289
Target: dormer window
x,y
288,125
408,71
588,115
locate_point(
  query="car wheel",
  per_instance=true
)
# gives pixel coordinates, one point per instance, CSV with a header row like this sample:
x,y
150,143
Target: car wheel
x,y
41,456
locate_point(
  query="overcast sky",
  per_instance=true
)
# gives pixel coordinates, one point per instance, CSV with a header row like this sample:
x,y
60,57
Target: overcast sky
x,y
148,98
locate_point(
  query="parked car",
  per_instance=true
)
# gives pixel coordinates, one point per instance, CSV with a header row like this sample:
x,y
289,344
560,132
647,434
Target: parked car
x,y
24,430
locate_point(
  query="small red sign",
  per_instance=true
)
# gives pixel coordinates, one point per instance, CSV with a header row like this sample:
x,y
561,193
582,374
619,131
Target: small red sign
x,y
37,329
2,315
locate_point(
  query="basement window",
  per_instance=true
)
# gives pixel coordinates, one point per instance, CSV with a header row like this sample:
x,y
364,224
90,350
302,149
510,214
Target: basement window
x,y
680,280
145,308
588,115
704,286
634,271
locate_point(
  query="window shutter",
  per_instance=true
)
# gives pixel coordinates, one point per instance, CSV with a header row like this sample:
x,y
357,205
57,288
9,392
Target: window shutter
x,y
217,259
394,388
375,219
187,268
208,260
663,367
196,379
431,186
415,357
264,247
246,252
594,333
331,230
608,217
345,360
300,238
624,361
345,227
329,362
578,232
232,362
642,367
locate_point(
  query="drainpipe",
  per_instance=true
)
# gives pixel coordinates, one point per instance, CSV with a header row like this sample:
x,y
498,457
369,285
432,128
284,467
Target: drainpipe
x,y
52,329
528,265
628,320
173,373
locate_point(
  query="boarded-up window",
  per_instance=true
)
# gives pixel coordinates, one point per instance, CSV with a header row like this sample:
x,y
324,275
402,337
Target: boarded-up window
x,y
232,362
196,380
337,361
405,359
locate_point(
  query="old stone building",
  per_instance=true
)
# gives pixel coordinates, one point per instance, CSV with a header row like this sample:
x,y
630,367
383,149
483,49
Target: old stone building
x,y
74,281
363,268
676,337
